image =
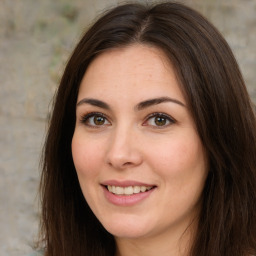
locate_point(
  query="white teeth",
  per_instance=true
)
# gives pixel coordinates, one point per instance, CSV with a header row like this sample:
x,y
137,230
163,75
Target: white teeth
x,y
143,189
136,189
127,190
119,191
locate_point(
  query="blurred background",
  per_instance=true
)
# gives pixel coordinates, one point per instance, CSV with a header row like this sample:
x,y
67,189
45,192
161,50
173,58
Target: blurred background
x,y
36,38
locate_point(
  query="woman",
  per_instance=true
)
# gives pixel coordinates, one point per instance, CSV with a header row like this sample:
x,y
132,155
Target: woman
x,y
151,145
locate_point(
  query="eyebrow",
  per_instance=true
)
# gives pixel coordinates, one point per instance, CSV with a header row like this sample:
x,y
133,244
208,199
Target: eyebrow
x,y
93,102
156,101
140,106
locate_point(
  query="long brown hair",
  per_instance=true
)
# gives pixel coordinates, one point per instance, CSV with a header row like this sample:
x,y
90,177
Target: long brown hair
x,y
222,111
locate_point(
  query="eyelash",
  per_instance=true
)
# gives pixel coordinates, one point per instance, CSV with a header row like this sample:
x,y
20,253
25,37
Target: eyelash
x,y
86,118
160,115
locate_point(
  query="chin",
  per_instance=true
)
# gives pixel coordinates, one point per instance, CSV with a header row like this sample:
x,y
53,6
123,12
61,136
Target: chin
x,y
128,228
130,233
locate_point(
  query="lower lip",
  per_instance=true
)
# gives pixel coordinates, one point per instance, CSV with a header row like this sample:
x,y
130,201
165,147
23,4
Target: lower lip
x,y
126,200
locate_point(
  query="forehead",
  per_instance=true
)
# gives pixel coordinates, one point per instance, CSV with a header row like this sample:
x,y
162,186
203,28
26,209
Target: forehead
x,y
131,58
128,70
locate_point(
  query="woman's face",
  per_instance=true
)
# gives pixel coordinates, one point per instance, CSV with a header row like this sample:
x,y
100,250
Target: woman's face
x,y
138,157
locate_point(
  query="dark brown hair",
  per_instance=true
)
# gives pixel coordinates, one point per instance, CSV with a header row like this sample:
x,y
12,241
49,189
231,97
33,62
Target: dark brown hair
x,y
221,108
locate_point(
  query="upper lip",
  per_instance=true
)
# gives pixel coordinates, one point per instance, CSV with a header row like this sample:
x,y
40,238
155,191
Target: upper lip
x,y
125,183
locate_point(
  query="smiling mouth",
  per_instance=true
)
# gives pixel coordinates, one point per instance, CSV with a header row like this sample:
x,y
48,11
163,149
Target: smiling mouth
x,y
127,191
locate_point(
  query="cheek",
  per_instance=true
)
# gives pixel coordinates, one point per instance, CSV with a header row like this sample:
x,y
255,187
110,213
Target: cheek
x,y
182,165
179,156
86,156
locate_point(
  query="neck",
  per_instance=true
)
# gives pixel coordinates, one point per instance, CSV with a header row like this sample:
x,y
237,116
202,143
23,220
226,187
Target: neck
x,y
175,243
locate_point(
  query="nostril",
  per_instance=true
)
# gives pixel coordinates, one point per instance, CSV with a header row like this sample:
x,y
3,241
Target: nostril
x,y
128,163
123,158
121,164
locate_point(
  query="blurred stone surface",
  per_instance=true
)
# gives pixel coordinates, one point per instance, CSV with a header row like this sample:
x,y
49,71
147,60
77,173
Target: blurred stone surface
x,y
36,38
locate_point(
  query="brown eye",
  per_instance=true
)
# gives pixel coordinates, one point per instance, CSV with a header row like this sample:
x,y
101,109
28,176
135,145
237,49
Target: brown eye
x,y
95,120
98,120
160,121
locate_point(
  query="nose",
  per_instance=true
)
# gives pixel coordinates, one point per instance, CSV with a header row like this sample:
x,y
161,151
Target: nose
x,y
123,151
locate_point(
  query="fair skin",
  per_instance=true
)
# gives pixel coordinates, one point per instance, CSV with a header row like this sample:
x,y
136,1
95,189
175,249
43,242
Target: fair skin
x,y
134,132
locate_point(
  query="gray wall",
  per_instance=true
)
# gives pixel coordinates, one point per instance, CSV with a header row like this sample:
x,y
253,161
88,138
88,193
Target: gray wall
x,y
36,37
